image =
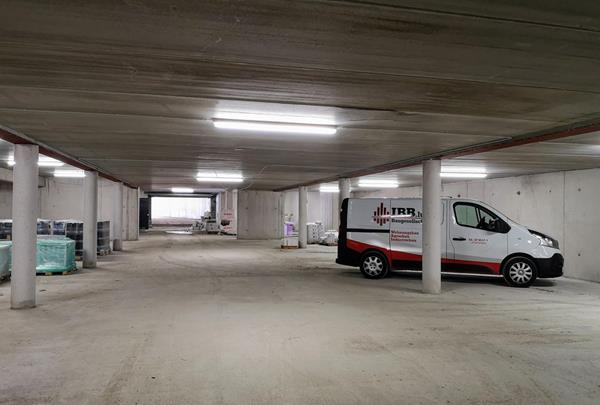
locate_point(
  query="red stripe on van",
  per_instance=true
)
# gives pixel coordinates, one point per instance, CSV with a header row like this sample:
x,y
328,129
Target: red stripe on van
x,y
393,255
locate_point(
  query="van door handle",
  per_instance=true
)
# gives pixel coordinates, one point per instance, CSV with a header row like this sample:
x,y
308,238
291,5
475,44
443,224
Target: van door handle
x,y
459,239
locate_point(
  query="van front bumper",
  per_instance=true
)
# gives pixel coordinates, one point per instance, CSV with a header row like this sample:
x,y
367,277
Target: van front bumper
x,y
551,267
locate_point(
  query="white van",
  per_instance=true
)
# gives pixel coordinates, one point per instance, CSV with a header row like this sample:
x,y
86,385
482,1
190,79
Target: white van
x,y
382,234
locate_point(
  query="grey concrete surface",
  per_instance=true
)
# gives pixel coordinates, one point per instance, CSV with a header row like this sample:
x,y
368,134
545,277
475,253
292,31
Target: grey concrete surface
x,y
132,86
212,320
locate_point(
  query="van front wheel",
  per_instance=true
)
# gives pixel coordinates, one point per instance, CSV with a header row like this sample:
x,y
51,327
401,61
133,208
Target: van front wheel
x,y
520,271
374,265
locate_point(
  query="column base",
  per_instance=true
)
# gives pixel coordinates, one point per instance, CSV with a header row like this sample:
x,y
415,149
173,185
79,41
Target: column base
x,y
117,244
22,305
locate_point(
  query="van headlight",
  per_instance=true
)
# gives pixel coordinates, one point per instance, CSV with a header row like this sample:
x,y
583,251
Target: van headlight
x,y
545,240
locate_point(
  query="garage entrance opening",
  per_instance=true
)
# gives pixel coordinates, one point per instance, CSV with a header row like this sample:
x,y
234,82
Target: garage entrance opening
x,y
178,211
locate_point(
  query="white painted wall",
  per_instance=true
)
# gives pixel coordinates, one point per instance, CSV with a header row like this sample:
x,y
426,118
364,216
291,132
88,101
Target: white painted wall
x,y
260,215
562,204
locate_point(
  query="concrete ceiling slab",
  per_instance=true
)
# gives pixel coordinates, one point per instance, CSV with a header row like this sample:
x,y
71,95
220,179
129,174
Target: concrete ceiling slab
x,y
132,87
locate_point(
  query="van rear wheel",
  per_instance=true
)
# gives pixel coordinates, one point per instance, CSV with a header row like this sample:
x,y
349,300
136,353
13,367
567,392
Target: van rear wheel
x,y
520,271
374,265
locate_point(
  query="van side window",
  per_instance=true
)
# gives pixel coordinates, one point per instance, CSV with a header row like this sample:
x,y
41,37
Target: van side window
x,y
466,215
475,216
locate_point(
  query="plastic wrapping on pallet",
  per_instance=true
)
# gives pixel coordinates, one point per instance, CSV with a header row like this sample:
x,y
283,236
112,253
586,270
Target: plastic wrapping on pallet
x,y
55,254
329,238
314,231
5,259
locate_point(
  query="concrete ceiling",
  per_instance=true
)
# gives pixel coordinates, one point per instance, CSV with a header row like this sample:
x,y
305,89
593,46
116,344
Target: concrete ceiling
x,y
131,86
572,153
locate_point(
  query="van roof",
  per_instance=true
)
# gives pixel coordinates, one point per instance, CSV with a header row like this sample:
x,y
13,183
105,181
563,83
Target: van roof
x,y
417,198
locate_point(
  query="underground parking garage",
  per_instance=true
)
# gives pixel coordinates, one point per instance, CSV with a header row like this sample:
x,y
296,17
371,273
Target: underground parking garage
x,y
299,202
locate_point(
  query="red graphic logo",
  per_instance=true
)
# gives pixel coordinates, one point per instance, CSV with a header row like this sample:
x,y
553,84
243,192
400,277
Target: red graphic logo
x,y
381,215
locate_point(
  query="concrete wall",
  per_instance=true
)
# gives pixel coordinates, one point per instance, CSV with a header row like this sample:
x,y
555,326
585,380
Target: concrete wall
x,y
62,198
5,200
321,207
260,215
562,204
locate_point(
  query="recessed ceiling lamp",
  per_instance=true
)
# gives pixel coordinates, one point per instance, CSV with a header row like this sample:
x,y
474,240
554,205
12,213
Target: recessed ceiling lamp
x,y
374,183
463,172
219,178
329,188
43,161
281,127
69,173
183,190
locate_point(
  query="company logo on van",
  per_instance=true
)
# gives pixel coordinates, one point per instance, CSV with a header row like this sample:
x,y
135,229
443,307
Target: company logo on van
x,y
381,215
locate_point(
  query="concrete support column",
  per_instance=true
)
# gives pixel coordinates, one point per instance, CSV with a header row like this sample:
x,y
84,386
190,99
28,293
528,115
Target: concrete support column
x,y
90,219
432,231
24,231
302,216
137,213
118,218
344,186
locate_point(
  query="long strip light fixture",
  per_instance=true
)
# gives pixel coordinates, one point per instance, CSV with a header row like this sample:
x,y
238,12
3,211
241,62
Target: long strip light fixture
x,y
182,190
219,178
329,188
69,173
463,172
377,183
281,127
43,161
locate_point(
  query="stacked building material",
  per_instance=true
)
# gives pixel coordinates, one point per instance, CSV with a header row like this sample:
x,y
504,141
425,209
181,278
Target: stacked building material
x,y
44,227
315,231
5,259
6,229
72,229
55,255
103,237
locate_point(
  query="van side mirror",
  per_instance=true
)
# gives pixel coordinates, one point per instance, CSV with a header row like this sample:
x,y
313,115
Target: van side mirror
x,y
499,226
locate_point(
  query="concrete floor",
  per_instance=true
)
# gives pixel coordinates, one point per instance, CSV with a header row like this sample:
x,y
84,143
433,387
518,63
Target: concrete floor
x,y
207,319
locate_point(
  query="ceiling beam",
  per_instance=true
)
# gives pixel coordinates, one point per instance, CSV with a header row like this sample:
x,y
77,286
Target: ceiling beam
x,y
529,138
16,138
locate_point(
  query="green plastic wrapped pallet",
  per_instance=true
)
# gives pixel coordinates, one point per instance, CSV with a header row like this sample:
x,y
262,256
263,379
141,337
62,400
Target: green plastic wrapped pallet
x,y
5,250
55,255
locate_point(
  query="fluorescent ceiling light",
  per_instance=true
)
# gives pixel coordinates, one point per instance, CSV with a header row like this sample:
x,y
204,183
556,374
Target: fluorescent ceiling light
x,y
464,175
43,161
456,169
221,179
373,183
281,127
329,189
69,173
274,117
182,190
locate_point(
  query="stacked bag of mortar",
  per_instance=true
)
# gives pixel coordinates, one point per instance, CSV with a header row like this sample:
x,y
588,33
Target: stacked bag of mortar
x,y
103,237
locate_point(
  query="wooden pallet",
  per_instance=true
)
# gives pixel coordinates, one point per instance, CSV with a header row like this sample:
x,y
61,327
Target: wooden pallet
x,y
57,273
289,247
